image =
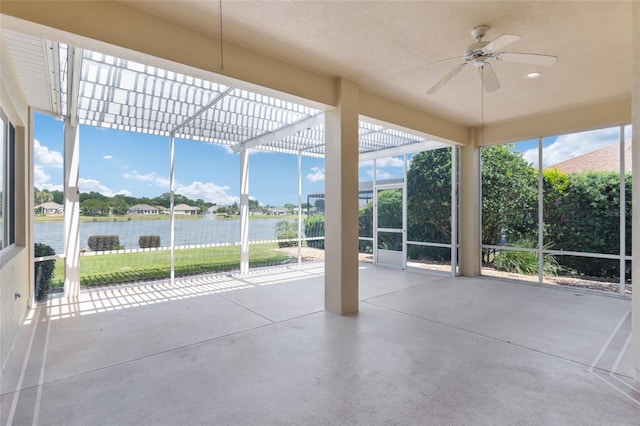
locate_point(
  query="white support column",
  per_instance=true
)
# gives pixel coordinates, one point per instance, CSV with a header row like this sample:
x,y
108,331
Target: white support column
x,y
635,153
623,214
29,187
341,203
172,218
470,211
454,210
71,210
244,210
299,208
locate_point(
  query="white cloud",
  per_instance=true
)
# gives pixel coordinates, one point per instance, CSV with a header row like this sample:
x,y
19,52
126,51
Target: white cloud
x,y
380,174
93,185
207,191
250,151
570,146
148,177
385,162
41,180
44,157
316,175
107,157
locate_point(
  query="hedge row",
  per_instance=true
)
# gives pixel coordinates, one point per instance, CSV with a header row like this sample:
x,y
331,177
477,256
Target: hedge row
x,y
149,241
104,242
141,274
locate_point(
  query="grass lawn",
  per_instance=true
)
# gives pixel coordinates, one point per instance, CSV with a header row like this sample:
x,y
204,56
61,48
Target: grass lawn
x,y
122,267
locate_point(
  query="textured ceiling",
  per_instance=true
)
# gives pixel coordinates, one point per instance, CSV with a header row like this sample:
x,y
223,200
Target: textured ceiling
x,y
385,47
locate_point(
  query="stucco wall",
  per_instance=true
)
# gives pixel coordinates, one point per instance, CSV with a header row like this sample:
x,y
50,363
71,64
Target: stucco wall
x,y
15,261
14,277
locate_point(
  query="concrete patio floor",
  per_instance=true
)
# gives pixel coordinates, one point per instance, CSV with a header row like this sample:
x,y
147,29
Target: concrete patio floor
x,y
259,349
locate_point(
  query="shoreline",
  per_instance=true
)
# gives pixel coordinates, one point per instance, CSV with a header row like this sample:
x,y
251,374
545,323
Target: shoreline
x,y
144,217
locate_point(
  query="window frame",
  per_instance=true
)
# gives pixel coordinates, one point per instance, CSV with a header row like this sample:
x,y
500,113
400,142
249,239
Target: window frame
x,y
8,236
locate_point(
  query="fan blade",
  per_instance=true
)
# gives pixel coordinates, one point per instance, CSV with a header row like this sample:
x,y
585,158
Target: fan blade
x,y
444,60
488,77
501,42
447,77
527,58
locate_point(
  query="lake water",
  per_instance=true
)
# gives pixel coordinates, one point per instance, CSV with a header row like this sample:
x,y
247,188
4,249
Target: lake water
x,y
205,230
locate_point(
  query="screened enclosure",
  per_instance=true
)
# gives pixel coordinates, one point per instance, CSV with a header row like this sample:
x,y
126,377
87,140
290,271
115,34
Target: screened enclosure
x,y
179,175
557,210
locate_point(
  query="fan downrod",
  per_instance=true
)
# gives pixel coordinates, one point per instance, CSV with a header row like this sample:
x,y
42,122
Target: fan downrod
x,y
477,50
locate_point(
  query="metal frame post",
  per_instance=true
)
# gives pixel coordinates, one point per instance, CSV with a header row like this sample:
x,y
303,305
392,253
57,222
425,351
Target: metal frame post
x,y
375,215
404,215
244,210
299,208
454,210
171,204
540,214
71,210
623,214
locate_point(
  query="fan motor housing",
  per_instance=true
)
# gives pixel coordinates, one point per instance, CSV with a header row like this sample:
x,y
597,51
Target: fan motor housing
x,y
476,50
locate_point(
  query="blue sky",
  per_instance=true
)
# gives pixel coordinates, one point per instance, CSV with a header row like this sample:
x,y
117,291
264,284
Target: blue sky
x,y
560,148
118,162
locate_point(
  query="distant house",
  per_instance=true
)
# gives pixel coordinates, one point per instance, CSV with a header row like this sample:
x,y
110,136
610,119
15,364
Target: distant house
x,y
163,210
143,209
212,210
277,211
605,159
185,209
49,208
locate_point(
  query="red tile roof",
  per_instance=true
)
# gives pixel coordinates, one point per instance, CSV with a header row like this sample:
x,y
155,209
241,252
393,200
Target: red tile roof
x,y
601,160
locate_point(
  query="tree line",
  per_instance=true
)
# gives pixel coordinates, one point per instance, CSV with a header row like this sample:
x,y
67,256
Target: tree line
x,y
97,204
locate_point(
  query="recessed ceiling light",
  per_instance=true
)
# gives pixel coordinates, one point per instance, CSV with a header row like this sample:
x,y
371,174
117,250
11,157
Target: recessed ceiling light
x,y
533,75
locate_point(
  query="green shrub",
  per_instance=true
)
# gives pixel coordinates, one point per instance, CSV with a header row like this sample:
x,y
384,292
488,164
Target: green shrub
x,y
43,270
365,246
314,227
149,241
525,262
104,242
427,253
584,215
286,230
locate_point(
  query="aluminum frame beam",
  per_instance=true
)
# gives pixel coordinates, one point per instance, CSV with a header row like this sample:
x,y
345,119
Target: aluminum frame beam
x,y
281,132
401,149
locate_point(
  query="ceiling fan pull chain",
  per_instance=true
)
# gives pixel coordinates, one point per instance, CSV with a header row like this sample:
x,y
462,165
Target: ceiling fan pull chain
x,y
482,108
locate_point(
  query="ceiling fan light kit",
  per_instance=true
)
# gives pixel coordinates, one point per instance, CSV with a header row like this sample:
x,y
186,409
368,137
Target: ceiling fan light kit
x,y
481,52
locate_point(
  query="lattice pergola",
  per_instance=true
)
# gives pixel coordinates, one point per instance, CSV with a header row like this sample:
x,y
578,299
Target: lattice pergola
x,y
121,94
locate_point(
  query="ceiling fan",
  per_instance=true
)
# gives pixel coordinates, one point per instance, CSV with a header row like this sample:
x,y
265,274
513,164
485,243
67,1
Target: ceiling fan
x,y
479,53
